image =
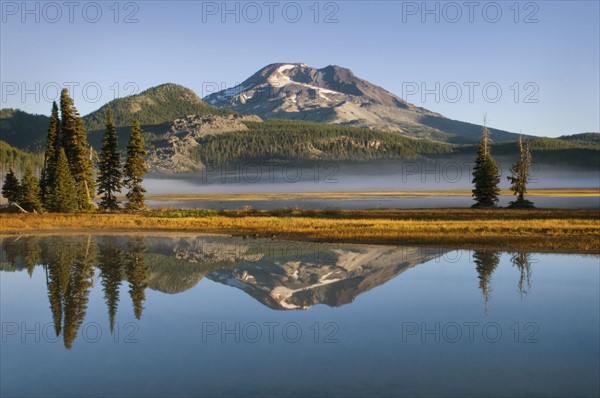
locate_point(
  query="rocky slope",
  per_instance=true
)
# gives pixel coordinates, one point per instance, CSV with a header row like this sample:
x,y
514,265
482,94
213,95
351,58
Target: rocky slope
x,y
170,151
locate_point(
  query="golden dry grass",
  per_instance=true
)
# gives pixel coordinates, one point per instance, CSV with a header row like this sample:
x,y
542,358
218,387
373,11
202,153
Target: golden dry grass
x,y
531,230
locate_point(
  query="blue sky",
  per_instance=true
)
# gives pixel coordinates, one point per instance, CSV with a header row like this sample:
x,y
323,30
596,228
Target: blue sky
x,y
542,55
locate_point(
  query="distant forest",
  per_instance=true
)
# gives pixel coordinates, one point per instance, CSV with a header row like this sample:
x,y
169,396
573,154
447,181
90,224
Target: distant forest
x,y
19,160
297,140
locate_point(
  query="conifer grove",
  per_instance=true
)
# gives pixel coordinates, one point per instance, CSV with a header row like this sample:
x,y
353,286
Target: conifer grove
x,y
67,183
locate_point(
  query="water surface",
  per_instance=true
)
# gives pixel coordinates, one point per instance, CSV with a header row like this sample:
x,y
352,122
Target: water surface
x,y
185,315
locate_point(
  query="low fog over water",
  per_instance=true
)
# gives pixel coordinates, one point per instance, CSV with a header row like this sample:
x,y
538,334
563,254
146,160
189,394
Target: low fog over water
x,y
359,176
365,177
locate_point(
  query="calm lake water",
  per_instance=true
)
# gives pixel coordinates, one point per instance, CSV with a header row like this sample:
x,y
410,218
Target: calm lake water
x,y
183,315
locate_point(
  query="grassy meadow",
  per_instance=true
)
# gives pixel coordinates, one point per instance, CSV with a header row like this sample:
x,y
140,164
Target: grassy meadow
x,y
548,230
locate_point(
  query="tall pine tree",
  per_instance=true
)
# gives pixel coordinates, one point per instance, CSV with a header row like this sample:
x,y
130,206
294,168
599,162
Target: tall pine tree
x,y
135,168
11,189
30,192
110,175
74,139
63,197
486,175
53,145
520,173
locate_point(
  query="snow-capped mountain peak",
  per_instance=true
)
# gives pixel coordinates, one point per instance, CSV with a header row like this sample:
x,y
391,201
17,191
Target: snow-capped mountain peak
x,y
331,94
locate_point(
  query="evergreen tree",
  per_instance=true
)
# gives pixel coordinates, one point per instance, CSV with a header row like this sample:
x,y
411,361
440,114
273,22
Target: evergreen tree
x,y
63,197
110,263
110,175
137,274
74,139
53,145
11,189
486,175
520,176
29,198
135,168
486,263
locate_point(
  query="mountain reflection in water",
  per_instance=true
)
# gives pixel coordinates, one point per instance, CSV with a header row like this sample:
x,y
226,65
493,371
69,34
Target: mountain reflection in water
x,y
281,275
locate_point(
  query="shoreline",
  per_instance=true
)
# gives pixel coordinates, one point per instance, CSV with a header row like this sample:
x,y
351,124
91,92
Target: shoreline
x,y
540,230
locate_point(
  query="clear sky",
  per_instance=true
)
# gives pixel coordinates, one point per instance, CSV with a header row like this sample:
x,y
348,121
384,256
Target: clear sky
x,y
543,55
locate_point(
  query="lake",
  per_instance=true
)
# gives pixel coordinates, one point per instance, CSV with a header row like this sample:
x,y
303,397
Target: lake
x,y
395,176
206,315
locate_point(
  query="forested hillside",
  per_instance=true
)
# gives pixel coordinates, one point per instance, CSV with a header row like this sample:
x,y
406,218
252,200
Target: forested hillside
x,y
296,140
156,105
18,160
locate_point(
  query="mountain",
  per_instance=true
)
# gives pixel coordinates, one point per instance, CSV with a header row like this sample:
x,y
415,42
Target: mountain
x,y
158,109
156,105
335,95
23,130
